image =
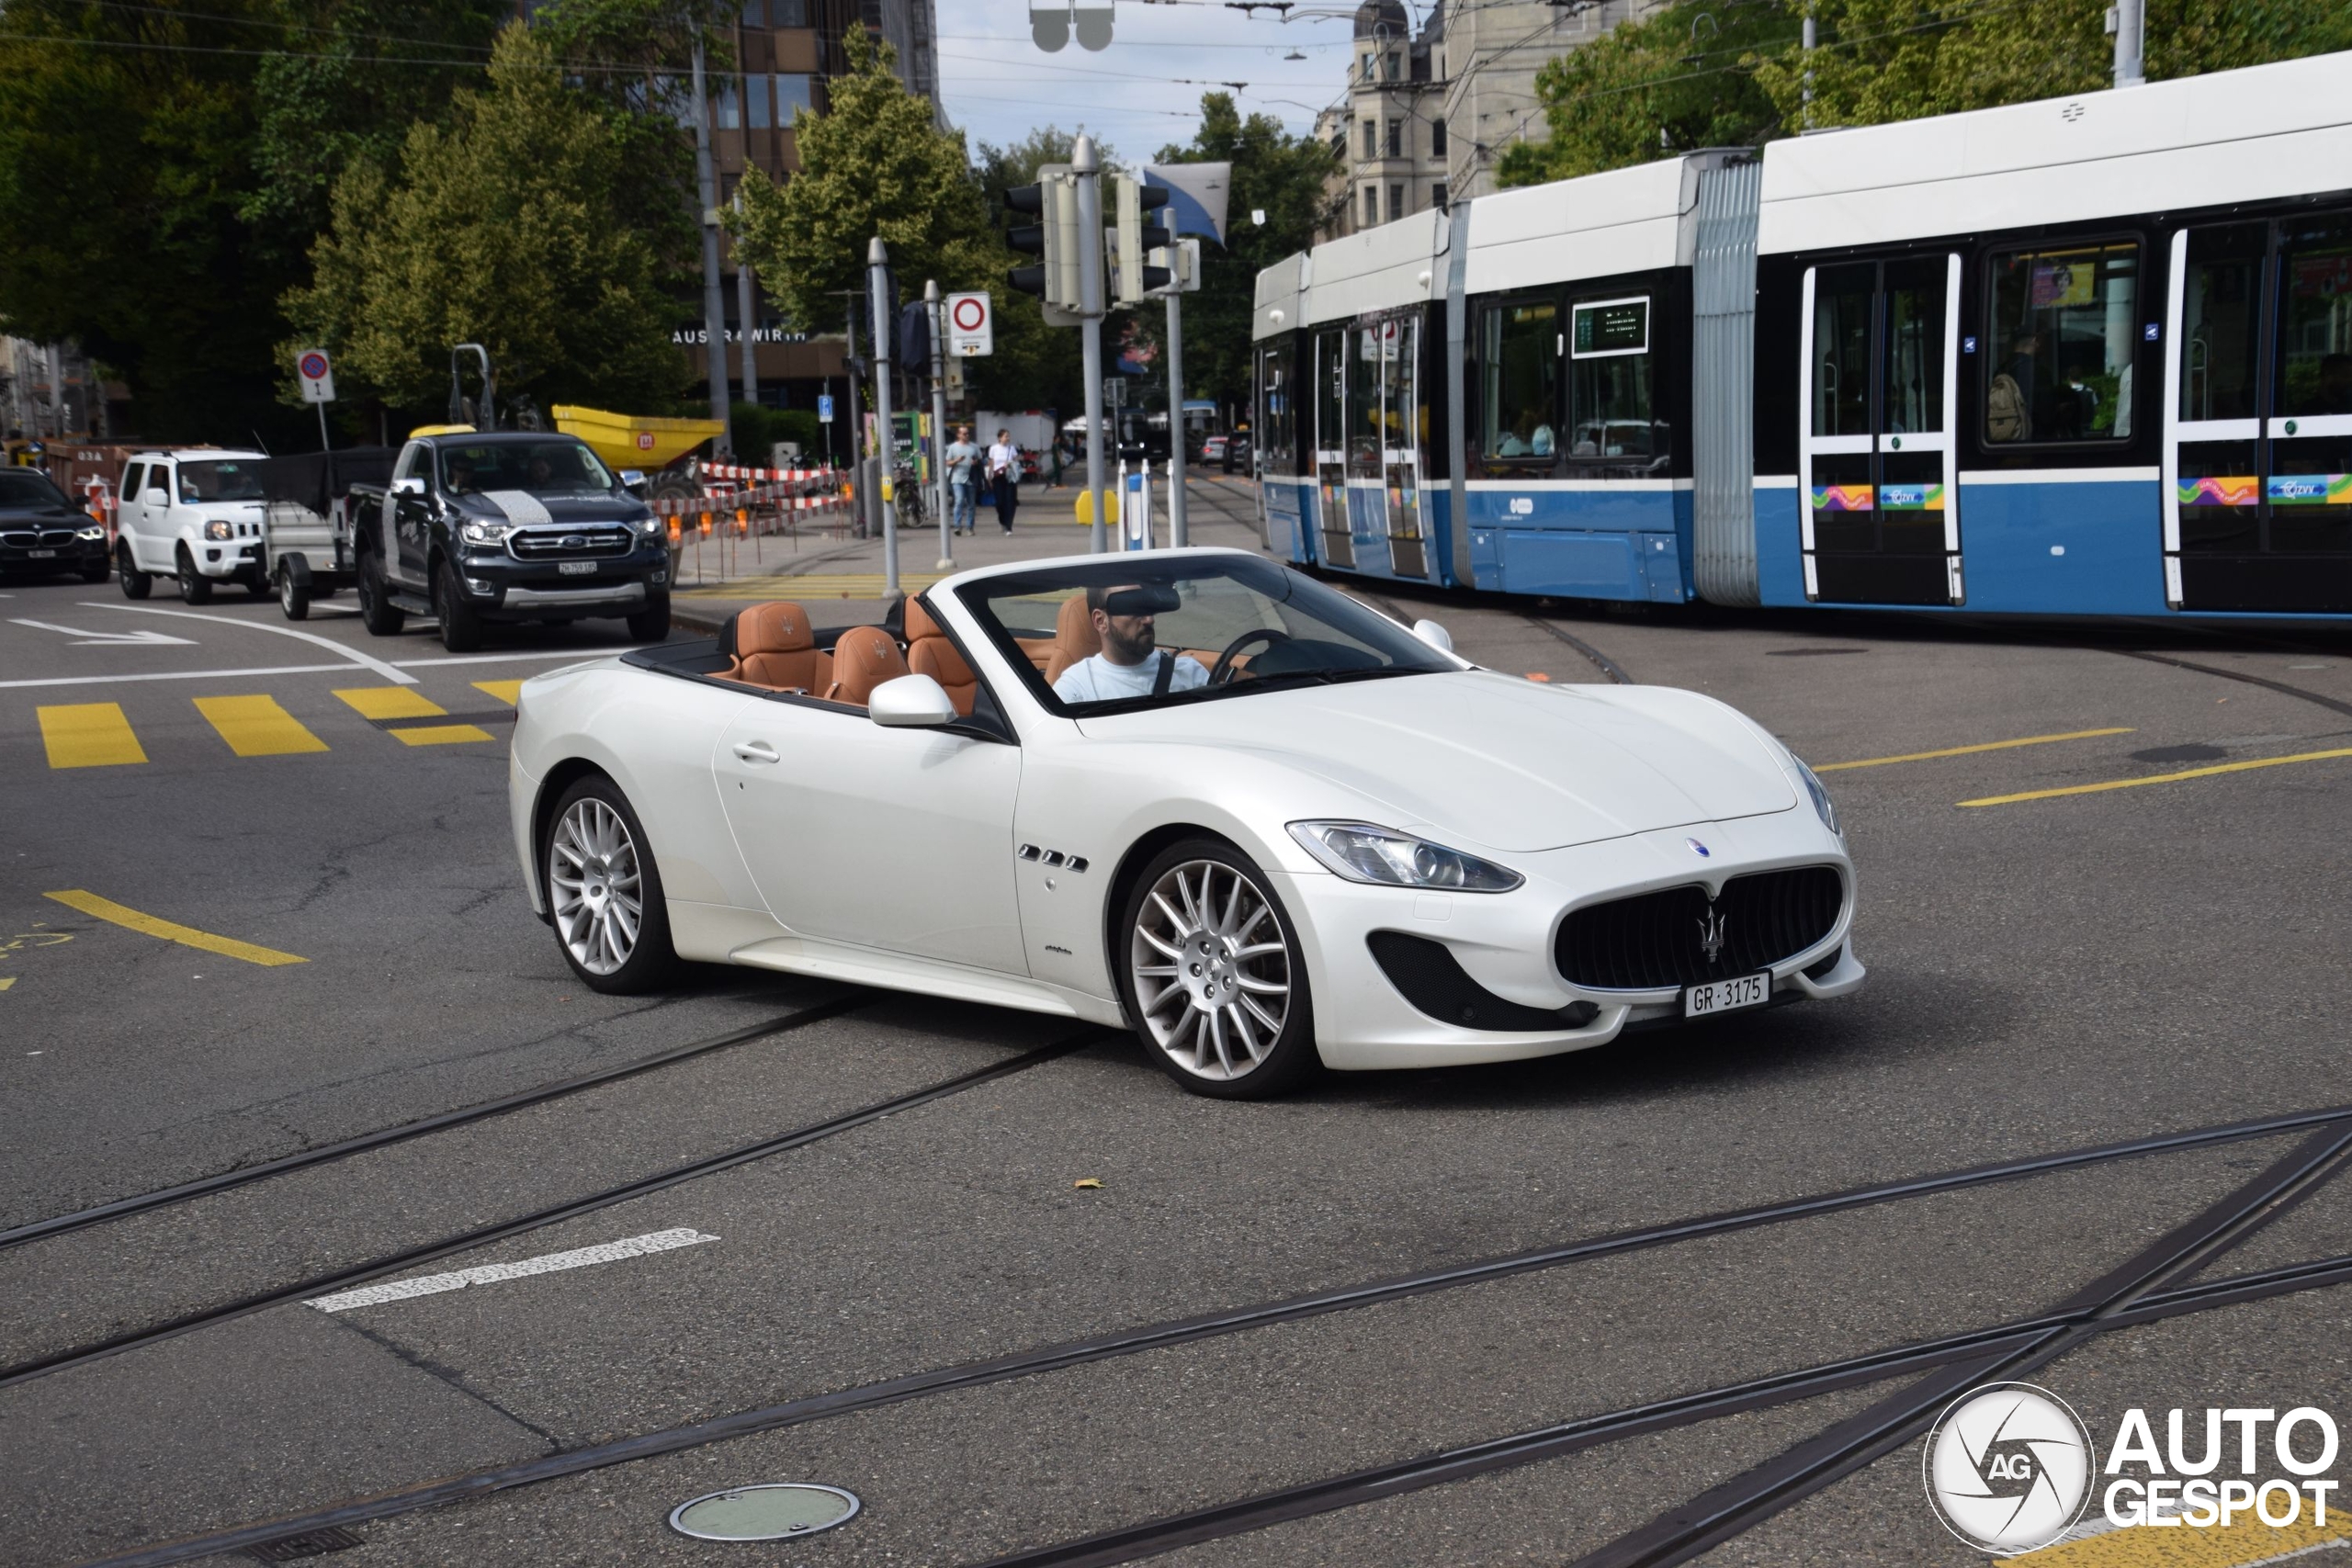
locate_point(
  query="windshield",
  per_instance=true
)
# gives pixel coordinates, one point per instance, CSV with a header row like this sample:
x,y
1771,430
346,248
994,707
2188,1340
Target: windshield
x,y
1120,636
22,486
535,467
219,481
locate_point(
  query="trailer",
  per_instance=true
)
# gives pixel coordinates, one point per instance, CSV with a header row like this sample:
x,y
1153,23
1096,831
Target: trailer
x,y
308,520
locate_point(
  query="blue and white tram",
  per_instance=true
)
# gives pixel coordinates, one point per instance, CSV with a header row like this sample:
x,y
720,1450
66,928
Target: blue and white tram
x,y
2089,356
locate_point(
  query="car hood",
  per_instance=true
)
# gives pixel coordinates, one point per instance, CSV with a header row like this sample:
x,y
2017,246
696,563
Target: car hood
x,y
46,516
522,506
1482,759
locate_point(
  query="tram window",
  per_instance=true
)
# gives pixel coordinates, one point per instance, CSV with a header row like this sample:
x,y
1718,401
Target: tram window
x,y
1914,388
1841,349
2315,319
2066,326
2220,321
1330,377
1608,382
1520,390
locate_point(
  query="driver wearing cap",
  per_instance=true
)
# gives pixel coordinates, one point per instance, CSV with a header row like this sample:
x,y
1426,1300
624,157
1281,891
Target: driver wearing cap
x,y
1131,664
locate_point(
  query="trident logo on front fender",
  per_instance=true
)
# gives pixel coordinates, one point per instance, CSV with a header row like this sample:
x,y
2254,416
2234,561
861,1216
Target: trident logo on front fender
x,y
1711,934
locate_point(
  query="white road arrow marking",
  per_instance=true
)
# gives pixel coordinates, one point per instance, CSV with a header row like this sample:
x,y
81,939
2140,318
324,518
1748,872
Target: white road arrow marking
x,y
397,677
108,639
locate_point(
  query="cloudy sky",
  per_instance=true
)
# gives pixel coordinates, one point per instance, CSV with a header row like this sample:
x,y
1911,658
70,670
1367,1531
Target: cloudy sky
x,y
1144,90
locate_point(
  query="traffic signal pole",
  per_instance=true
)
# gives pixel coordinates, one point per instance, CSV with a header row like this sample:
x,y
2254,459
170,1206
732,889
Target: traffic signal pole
x,y
878,285
714,310
939,426
1088,169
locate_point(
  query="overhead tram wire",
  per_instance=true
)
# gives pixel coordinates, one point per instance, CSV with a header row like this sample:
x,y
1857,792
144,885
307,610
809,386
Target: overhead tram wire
x,y
917,1385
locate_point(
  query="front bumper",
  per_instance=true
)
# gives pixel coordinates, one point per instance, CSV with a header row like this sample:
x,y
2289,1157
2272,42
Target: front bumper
x,y
233,560
499,587
72,553
1504,941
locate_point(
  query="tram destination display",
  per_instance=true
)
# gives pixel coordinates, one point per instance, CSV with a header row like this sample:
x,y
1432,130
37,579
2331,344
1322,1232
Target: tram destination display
x,y
1612,326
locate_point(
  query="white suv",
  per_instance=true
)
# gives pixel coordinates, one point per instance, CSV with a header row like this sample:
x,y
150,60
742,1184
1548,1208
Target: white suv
x,y
196,514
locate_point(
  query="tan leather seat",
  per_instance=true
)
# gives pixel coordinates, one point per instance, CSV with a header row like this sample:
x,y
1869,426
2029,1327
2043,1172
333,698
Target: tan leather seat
x,y
1074,636
863,659
777,647
930,653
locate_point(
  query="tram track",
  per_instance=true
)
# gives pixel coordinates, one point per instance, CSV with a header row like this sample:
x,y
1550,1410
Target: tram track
x,y
352,1275
2332,1126
385,1137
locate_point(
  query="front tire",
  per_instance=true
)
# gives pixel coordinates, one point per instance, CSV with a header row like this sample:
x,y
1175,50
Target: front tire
x,y
135,582
1213,976
376,611
604,891
293,596
95,571
195,587
460,627
652,623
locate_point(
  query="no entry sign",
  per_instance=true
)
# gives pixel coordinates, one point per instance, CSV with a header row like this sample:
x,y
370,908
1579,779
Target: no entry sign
x,y
971,324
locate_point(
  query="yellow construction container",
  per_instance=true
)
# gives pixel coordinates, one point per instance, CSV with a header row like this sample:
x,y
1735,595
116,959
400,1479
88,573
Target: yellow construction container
x,y
634,441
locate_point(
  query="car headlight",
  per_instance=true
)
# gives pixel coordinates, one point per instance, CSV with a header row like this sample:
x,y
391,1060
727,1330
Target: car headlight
x,y
216,531
486,532
1820,802
650,527
90,534
1363,853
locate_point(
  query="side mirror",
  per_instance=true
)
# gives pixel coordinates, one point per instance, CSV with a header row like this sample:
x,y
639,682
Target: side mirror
x,y
408,486
160,494
633,480
911,702
1434,635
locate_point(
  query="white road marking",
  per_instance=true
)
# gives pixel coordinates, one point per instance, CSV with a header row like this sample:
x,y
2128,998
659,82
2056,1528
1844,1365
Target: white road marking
x,y
362,659
185,675
579,655
489,1273
108,640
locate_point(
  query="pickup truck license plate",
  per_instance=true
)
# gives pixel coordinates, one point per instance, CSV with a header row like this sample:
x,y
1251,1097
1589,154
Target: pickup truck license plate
x,y
1727,996
578,568
42,555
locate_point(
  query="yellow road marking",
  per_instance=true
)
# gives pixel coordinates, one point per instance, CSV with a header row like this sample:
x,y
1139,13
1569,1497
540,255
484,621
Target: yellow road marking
x,y
6,981
186,936
2162,778
2241,1543
1965,750
407,702
507,692
88,735
257,727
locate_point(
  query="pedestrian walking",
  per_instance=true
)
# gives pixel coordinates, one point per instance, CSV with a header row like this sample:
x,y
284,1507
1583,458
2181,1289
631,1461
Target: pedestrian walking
x,y
963,473
1004,477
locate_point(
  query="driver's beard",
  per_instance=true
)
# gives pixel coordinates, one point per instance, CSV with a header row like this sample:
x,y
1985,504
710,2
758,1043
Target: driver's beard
x,y
1129,650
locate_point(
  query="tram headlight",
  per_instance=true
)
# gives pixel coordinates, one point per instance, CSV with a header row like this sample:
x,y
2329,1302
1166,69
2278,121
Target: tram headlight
x,y
1363,853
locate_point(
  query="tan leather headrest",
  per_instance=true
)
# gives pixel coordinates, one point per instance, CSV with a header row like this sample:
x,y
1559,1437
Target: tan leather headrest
x,y
1074,630
919,623
778,627
863,659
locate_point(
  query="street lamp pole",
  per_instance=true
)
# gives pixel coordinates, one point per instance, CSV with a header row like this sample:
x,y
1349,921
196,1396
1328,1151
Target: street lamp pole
x,y
877,279
1086,166
714,308
939,423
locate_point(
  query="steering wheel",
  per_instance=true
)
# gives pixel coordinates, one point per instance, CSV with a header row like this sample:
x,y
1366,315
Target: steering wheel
x,y
1271,635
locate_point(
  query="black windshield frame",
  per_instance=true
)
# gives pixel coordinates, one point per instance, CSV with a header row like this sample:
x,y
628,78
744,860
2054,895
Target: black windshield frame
x,y
1408,655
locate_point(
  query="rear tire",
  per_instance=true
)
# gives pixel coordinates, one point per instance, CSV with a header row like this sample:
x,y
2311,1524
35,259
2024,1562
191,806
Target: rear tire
x,y
376,611
1212,974
293,596
195,587
136,585
460,627
604,891
652,623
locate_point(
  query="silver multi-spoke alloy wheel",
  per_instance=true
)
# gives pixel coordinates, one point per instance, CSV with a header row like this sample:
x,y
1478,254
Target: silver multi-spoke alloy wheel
x,y
1212,971
595,883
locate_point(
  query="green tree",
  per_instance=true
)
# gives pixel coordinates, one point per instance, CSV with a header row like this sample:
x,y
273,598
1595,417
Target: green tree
x,y
1285,176
504,227
1678,80
126,163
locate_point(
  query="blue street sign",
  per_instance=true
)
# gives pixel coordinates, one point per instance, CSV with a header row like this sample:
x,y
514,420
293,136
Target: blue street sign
x,y
824,408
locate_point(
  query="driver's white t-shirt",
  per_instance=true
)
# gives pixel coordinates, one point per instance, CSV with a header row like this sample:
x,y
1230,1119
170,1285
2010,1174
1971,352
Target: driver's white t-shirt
x,y
1097,680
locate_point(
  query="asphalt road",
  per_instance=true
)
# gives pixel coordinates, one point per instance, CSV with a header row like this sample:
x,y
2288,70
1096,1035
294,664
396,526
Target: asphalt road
x,y
2049,974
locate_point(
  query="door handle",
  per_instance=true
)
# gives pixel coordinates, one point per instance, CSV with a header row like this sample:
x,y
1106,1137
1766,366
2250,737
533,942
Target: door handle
x,y
755,752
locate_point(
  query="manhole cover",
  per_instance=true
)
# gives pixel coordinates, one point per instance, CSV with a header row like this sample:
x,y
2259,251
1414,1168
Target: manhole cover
x,y
2189,753
769,1511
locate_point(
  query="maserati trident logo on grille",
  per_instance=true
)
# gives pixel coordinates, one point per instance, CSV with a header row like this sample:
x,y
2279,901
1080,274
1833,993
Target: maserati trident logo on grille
x,y
1711,934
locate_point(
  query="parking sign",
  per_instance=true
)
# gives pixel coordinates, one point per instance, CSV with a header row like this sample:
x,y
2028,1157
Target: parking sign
x,y
824,408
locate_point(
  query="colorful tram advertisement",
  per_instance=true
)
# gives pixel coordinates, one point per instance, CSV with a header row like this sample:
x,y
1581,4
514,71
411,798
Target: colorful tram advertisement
x,y
2088,356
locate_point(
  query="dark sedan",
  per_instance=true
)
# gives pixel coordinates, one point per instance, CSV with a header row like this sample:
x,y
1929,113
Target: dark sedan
x,y
42,534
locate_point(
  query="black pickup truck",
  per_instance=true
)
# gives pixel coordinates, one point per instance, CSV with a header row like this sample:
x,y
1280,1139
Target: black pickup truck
x,y
478,527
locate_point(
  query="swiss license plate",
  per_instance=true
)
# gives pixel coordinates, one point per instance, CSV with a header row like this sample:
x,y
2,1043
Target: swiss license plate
x,y
1727,996
42,554
578,568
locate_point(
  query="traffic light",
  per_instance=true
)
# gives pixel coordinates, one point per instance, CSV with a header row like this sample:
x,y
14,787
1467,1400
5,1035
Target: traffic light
x,y
1054,240
1134,279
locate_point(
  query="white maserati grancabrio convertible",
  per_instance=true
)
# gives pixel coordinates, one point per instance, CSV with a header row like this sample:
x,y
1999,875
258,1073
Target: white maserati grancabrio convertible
x,y
1193,793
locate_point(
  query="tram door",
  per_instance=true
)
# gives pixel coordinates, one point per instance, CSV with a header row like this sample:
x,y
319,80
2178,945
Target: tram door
x,y
1882,523
1339,547
2258,428
1402,416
